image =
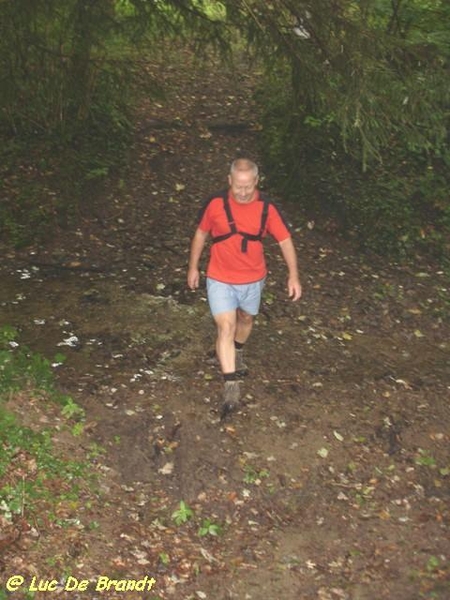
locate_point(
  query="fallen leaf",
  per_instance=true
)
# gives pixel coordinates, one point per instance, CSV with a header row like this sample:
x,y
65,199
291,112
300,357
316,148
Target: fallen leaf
x,y
207,555
322,452
167,469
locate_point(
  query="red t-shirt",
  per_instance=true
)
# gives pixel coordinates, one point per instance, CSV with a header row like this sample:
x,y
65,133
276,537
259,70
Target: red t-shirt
x,y
227,262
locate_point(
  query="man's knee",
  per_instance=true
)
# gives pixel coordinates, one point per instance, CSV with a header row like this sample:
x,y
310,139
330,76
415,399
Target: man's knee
x,y
243,316
226,325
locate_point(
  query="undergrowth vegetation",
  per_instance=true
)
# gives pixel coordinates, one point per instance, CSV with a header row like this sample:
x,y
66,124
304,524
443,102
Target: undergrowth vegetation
x,y
36,483
355,122
396,207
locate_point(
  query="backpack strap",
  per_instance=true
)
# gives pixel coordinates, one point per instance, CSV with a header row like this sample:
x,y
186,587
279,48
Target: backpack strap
x,y
231,223
265,214
246,237
227,208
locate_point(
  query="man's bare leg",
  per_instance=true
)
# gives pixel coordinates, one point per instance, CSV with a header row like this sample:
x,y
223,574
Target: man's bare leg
x,y
244,325
232,326
226,323
226,352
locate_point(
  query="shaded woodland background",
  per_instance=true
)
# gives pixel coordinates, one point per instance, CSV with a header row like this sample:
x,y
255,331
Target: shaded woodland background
x,y
354,100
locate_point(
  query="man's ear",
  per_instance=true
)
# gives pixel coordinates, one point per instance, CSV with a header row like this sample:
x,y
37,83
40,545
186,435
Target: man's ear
x,y
229,180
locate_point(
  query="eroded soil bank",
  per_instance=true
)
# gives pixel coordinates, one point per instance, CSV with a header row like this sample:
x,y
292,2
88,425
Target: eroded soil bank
x,y
333,480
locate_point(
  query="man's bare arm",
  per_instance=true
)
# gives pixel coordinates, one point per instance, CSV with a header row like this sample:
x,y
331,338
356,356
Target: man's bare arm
x,y
197,245
290,258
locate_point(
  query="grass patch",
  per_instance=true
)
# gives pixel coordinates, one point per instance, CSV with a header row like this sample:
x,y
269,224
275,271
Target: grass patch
x,y
38,485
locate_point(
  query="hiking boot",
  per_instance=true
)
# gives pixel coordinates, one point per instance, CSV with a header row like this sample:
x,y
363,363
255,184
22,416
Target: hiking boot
x,y
241,367
231,398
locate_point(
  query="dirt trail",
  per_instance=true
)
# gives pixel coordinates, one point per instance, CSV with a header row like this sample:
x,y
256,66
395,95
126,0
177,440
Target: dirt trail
x,y
333,481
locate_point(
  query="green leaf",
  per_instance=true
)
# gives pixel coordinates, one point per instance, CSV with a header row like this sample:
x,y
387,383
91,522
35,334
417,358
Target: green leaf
x,y
182,514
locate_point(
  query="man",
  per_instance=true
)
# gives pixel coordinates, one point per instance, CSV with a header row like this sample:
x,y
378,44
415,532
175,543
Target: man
x,y
237,220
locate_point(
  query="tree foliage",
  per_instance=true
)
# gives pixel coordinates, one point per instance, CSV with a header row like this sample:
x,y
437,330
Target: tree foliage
x,y
355,96
372,68
71,74
71,61
356,111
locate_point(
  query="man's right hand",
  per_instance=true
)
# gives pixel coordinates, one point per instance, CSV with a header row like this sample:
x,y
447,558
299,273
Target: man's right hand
x,y
193,278
197,245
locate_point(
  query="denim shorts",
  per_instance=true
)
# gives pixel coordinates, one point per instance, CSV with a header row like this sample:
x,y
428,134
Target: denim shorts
x,y
225,297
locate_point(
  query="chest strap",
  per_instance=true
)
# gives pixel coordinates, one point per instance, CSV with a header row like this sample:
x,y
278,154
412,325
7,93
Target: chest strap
x,y
246,237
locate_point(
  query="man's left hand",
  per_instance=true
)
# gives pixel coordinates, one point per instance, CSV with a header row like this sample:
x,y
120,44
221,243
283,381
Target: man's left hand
x,y
294,288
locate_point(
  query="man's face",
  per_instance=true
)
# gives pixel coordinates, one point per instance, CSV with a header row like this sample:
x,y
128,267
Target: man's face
x,y
243,185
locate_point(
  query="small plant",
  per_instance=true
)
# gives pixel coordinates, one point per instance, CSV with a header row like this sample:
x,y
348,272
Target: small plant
x,y
183,514
432,575
361,499
7,334
254,476
77,429
95,450
72,409
425,459
19,367
433,564
208,527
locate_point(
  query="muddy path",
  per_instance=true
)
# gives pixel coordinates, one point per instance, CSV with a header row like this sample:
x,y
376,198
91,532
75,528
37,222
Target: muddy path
x,y
333,480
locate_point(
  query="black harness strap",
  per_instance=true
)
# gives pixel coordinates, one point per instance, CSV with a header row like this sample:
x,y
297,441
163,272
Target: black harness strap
x,y
246,237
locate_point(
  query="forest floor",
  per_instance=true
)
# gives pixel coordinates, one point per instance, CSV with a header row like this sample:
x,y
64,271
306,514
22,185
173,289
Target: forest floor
x,y
333,480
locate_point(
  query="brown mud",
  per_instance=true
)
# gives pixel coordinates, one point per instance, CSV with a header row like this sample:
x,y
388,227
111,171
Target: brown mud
x,y
331,482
